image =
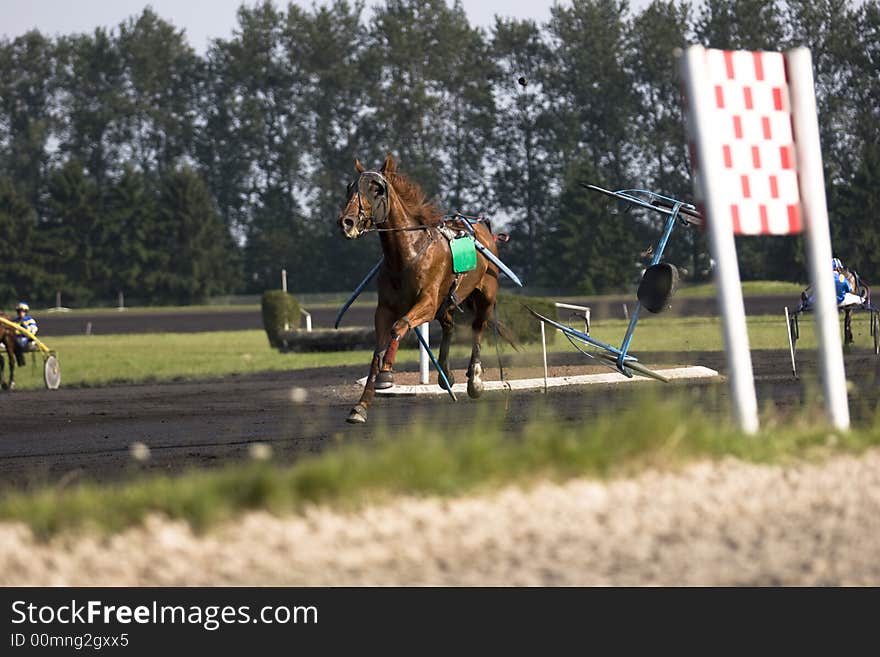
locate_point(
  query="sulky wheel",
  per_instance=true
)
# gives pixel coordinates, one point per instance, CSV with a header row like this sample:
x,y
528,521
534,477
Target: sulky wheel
x,y
52,372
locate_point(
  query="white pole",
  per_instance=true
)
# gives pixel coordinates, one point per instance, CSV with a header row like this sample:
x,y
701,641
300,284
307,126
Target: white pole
x,y
790,342
723,247
812,192
424,362
544,349
284,280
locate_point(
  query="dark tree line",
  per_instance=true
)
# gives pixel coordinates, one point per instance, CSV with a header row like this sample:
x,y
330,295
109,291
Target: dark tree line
x,y
130,163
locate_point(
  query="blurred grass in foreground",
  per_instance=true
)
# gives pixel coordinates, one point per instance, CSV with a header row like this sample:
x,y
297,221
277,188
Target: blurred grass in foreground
x,y
652,433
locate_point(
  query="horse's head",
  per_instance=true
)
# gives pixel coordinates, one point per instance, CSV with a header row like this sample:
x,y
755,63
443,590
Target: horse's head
x,y
368,201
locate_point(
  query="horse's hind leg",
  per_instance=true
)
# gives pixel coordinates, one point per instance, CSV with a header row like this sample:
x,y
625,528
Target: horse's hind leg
x,y
448,326
10,384
847,327
475,368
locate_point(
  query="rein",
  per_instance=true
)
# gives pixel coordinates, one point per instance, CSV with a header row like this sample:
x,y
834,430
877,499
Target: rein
x,y
374,229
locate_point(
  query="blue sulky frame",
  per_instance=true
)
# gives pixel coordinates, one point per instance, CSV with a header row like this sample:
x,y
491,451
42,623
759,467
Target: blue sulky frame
x,y
677,212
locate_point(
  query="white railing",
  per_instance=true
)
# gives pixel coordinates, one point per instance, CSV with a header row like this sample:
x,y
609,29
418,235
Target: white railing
x,y
584,310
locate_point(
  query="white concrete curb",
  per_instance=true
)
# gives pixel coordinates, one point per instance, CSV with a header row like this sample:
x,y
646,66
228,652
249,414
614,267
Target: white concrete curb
x,y
694,372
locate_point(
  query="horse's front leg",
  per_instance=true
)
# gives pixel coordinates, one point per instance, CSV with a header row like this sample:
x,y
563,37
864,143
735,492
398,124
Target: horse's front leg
x,y
423,311
847,327
382,321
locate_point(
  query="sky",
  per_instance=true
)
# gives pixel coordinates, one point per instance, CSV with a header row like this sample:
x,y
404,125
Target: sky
x,y
205,19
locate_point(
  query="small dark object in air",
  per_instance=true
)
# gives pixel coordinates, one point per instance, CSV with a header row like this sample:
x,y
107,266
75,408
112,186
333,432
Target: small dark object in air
x,y
523,81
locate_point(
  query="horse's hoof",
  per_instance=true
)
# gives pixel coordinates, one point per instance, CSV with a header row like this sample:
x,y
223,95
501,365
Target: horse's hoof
x,y
449,376
358,415
475,383
475,388
384,380
5,386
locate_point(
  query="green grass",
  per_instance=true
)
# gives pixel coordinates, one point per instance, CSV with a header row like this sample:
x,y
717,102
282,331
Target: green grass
x,y
704,333
97,360
656,433
749,288
100,360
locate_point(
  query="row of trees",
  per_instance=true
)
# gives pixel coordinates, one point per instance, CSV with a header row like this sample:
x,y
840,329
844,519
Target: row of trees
x,y
129,162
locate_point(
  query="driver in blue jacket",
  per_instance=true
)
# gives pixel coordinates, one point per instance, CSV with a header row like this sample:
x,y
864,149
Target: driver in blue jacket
x,y
844,287
23,342
844,284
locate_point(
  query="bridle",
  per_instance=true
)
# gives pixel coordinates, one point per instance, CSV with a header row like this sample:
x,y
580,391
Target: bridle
x,y
364,223
369,224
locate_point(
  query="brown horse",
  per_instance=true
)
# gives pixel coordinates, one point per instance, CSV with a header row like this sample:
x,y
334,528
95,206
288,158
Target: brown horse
x,y
416,281
7,341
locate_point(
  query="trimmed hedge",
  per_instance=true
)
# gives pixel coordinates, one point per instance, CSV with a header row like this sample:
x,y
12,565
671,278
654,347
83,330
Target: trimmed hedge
x,y
343,339
278,308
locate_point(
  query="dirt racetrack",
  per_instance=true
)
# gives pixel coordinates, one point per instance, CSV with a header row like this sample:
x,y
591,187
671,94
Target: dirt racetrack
x,y
70,434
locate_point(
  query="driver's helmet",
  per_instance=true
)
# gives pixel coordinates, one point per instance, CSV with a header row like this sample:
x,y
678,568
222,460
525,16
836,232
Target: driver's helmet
x,y
836,264
23,306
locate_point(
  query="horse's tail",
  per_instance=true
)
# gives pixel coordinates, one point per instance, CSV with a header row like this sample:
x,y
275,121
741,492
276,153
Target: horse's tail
x,y
503,330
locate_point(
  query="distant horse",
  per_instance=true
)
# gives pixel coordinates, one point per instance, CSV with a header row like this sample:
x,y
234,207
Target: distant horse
x,y
416,282
7,340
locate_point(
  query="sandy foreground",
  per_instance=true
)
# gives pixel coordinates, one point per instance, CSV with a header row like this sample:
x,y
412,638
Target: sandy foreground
x,y
724,523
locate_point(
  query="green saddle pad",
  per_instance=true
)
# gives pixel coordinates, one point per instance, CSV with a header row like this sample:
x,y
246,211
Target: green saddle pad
x,y
464,254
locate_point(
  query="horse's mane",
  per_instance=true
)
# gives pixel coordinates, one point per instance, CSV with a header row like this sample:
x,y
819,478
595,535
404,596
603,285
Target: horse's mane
x,y
413,199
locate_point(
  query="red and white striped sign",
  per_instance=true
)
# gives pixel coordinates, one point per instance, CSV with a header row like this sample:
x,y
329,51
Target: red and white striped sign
x,y
752,140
